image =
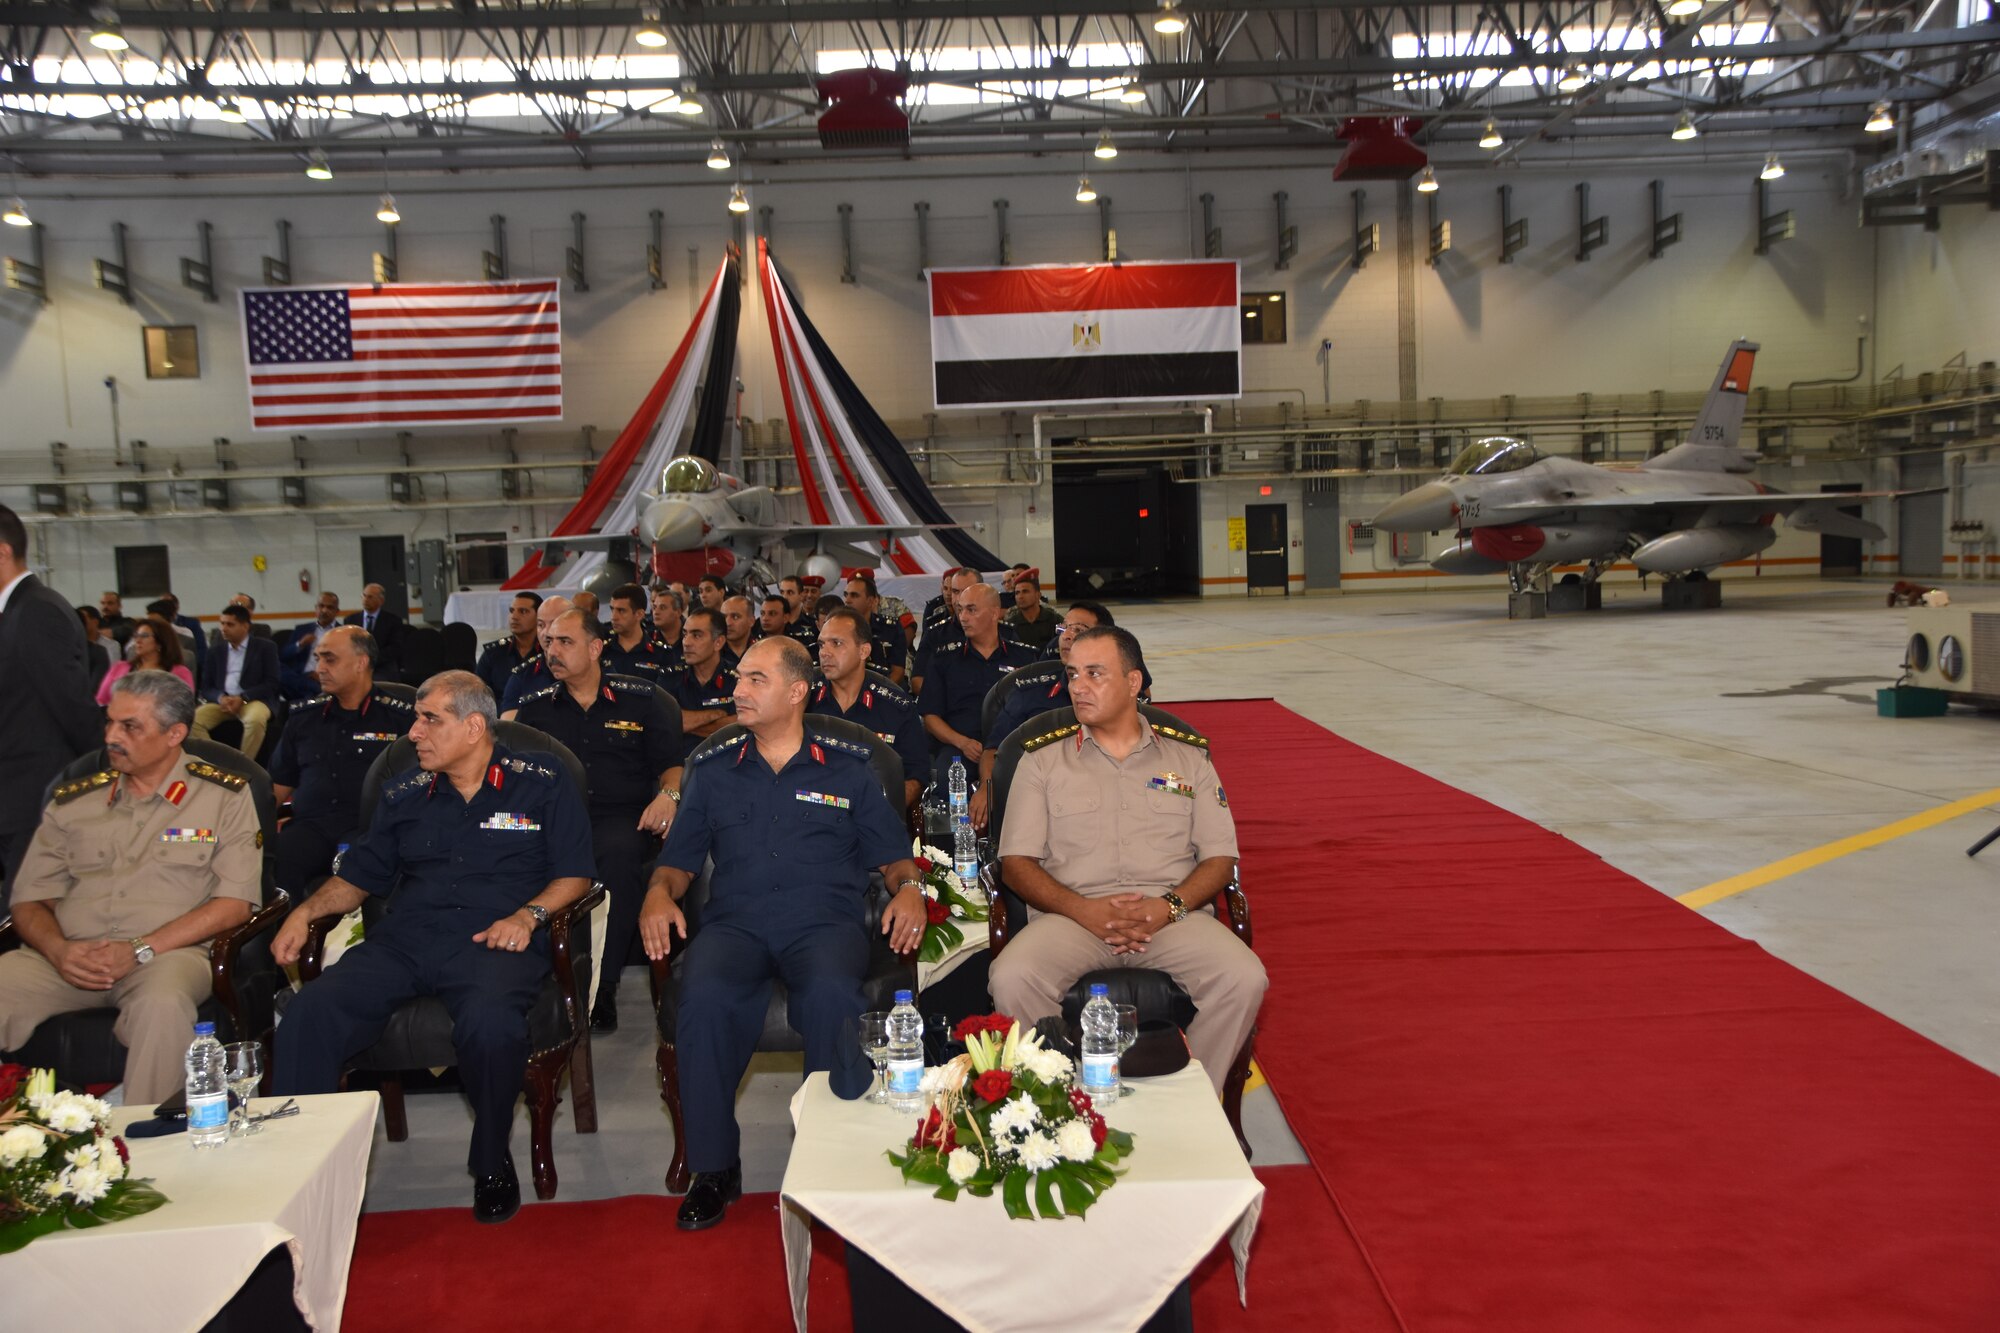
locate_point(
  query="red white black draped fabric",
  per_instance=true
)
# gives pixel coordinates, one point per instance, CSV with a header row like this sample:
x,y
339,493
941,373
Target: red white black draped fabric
x,y
403,354
1085,333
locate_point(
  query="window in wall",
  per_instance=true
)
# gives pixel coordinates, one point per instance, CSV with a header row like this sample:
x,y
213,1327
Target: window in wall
x,y
482,564
143,572
1263,317
172,353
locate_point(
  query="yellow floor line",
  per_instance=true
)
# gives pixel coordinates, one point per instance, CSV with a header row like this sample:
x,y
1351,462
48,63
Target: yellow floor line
x,y
1819,856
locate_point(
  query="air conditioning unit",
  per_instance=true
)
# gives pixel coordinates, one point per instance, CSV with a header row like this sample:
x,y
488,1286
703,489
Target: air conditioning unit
x,y
863,114
1379,149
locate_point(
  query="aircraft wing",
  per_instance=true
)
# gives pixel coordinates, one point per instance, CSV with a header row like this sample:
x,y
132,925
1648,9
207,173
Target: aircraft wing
x,y
1809,513
805,536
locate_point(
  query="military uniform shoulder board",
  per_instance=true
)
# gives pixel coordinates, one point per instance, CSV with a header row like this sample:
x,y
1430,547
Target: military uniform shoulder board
x,y
532,767
414,780
391,701
491,644
546,692
888,690
219,776
715,750
844,745
1184,737
1051,737
317,701
636,684
69,791
527,663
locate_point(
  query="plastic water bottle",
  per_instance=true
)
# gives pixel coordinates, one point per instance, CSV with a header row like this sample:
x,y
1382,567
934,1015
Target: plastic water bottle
x,y
960,788
906,1054
1100,1045
207,1090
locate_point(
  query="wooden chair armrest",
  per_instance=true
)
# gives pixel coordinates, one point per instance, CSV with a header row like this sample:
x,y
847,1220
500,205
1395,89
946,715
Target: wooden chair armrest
x,y
1234,908
561,922
996,917
227,947
314,948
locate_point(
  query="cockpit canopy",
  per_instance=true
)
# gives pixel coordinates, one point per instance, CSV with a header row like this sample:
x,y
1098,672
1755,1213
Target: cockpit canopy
x,y
1498,453
689,476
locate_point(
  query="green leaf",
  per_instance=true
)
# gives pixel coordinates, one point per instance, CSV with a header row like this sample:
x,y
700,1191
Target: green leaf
x,y
947,1191
14,1235
940,940
1045,1195
1014,1193
128,1198
1077,1193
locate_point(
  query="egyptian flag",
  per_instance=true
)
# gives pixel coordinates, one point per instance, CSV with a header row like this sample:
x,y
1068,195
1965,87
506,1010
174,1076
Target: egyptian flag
x,y
1085,333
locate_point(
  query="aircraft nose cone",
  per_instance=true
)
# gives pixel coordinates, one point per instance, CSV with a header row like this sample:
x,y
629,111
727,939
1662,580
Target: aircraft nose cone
x,y
674,525
1429,508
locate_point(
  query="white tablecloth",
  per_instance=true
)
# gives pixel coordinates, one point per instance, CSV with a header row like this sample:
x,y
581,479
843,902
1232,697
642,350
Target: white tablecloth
x,y
296,1183
1186,1186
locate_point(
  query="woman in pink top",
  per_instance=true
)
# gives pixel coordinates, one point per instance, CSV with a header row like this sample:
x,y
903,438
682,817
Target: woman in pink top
x,y
155,647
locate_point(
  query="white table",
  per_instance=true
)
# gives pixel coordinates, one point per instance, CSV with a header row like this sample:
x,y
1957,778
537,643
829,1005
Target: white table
x,y
297,1183
1186,1186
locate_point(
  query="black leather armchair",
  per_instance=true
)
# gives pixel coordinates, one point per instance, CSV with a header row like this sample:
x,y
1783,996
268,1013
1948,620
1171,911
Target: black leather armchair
x,y
82,1048
1156,994
888,971
419,1033
1043,674
461,647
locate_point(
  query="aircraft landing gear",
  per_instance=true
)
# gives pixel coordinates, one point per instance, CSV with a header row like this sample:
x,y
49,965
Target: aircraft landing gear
x,y
1527,591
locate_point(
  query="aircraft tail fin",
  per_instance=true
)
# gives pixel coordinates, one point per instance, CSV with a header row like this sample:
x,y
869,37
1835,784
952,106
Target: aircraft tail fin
x,y
1715,442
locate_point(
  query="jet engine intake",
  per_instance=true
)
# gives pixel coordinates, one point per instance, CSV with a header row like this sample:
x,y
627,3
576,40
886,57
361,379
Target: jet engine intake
x,y
1702,548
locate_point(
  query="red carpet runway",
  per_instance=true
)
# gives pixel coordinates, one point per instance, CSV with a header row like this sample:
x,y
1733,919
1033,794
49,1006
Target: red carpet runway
x,y
1547,1097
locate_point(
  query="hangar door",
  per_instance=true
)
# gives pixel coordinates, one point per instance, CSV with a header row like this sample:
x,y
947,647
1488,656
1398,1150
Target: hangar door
x,y
1920,518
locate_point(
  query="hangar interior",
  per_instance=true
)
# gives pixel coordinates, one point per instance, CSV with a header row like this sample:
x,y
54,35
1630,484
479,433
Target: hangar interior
x,y
1538,290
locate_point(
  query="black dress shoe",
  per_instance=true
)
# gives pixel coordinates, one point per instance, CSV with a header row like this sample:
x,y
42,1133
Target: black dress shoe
x,y
604,1018
708,1197
496,1198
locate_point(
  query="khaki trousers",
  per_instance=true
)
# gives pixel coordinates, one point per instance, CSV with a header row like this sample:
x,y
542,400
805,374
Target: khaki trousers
x,y
255,717
1217,970
156,1005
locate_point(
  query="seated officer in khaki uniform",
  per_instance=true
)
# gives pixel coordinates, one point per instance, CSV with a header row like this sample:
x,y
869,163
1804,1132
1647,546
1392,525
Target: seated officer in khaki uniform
x,y
1116,837
132,871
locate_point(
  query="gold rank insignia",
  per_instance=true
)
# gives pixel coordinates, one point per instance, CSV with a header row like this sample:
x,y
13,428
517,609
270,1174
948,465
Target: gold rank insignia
x,y
621,725
260,837
69,791
220,777
1039,741
1185,737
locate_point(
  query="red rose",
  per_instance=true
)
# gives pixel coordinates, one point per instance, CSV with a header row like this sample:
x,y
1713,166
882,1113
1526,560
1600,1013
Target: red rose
x,y
925,865
999,1024
11,1078
935,1132
1097,1130
936,911
124,1153
993,1084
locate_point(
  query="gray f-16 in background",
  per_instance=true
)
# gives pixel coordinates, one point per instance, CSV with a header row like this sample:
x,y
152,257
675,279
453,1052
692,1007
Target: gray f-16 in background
x,y
1682,513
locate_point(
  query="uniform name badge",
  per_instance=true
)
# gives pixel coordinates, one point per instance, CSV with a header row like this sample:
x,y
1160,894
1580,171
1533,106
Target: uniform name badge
x,y
821,798
187,835
510,823
1172,782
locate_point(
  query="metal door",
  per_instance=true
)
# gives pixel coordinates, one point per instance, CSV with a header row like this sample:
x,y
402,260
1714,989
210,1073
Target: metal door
x,y
1323,535
1920,519
1266,539
1840,557
382,562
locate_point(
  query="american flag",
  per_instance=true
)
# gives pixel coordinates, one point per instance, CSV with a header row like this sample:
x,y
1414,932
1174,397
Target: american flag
x,y
403,354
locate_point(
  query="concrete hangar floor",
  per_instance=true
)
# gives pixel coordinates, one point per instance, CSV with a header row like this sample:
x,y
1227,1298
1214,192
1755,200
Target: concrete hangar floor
x,y
1690,749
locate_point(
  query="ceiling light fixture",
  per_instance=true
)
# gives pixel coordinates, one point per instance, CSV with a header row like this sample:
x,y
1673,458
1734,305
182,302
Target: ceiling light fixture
x,y
1880,119
1428,182
107,34
1574,79
1490,136
1773,168
1680,9
649,31
1085,194
1169,20
1133,92
689,105
386,210
1684,128
737,203
316,166
17,213
718,156
1106,150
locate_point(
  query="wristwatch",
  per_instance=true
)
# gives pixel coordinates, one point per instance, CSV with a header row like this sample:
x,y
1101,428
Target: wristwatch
x,y
540,913
674,795
141,951
916,884
1176,909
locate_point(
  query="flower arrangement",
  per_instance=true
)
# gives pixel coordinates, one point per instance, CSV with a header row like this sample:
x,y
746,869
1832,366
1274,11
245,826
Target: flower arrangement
x,y
946,904
58,1165
1005,1115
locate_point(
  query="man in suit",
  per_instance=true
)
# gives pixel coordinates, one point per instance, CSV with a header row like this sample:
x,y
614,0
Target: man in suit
x,y
47,717
96,644
386,626
239,680
299,678
111,614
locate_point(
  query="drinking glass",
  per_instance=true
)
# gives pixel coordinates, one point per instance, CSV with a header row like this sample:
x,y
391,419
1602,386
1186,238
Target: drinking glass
x,y
875,1045
1128,1032
243,1065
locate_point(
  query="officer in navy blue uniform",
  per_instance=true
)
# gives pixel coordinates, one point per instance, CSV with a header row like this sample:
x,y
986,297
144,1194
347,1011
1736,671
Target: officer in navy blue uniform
x,y
845,690
498,659
324,753
479,847
940,625
533,673
631,749
961,673
795,823
630,648
704,687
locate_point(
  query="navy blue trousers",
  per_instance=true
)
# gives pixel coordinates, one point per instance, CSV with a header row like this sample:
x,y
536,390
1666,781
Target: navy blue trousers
x,y
724,991
624,865
304,851
486,991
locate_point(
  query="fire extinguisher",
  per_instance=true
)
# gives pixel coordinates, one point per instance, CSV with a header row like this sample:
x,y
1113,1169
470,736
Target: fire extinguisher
x,y
305,580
